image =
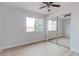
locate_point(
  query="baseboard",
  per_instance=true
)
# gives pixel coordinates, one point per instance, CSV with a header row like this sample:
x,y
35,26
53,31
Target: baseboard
x,y
21,44
75,50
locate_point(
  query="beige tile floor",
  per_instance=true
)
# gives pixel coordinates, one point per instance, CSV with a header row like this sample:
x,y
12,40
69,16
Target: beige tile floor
x,y
39,49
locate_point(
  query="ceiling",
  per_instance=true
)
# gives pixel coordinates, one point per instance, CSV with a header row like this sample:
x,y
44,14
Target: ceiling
x,y
34,6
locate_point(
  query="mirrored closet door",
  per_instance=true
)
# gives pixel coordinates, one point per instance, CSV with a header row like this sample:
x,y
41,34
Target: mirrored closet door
x,y
59,30
64,30
52,30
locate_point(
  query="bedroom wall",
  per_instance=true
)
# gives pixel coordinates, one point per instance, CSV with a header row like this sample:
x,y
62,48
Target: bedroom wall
x,y
14,27
75,27
0,30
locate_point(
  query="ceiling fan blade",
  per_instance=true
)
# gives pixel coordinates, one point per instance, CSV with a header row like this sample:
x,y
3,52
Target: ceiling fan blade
x,y
42,7
45,2
56,5
50,3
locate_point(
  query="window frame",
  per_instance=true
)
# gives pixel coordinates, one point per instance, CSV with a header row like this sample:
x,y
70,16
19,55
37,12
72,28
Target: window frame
x,y
42,29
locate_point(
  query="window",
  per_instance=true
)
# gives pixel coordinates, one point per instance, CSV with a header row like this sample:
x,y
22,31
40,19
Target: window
x,y
39,25
34,24
52,25
30,24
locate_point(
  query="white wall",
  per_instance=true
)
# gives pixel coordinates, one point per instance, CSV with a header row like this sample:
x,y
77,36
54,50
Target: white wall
x,y
0,29
14,27
75,27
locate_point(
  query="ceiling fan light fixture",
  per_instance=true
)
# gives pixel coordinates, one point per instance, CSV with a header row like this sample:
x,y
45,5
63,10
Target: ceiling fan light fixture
x,y
49,4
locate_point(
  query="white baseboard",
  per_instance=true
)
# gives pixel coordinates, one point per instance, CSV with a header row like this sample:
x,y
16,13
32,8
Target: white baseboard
x,y
77,51
23,43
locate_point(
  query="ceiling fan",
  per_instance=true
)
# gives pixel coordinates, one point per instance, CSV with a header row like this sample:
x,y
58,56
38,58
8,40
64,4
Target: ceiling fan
x,y
48,4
